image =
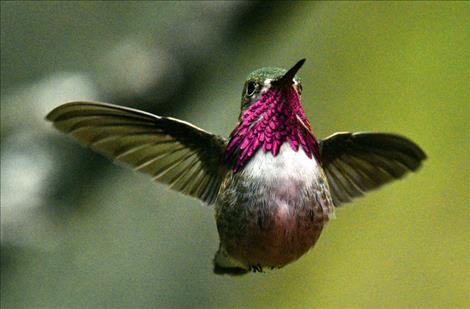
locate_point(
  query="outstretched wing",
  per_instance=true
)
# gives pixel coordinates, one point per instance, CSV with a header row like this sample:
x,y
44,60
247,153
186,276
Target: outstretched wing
x,y
358,162
172,151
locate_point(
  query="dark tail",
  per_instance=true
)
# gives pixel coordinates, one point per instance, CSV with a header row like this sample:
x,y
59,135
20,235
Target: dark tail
x,y
233,271
226,265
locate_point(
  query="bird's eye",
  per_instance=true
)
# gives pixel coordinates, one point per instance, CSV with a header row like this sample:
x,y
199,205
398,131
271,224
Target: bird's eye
x,y
250,88
299,89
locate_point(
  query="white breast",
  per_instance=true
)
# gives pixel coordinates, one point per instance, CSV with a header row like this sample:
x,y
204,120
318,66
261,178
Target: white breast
x,y
288,164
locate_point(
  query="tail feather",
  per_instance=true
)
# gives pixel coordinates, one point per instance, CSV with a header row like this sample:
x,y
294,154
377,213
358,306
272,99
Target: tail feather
x,y
224,264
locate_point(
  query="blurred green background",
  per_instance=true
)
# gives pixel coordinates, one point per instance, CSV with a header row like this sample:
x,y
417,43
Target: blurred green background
x,y
79,232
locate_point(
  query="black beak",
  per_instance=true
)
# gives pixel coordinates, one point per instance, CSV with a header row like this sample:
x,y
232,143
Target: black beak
x,y
288,78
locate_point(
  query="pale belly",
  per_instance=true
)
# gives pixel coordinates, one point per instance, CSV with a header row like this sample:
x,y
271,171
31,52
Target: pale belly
x,y
272,212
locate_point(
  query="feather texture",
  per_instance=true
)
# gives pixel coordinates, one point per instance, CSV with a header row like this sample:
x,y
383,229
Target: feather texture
x,y
275,118
174,152
358,162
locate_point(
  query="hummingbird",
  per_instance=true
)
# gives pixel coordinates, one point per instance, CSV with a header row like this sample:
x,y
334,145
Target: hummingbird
x,y
273,185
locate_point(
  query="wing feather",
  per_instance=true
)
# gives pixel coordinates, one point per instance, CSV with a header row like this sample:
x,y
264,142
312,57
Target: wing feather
x,y
172,151
355,163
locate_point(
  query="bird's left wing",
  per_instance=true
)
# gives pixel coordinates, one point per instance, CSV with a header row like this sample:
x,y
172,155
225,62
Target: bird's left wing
x,y
174,152
358,162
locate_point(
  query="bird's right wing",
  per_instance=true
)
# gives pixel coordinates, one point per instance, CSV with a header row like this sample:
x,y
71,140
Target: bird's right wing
x,y
187,158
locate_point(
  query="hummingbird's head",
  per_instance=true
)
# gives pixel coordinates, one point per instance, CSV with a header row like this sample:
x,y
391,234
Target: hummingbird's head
x,y
259,82
271,115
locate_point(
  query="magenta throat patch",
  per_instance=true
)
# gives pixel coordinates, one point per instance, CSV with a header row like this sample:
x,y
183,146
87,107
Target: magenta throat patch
x,y
277,117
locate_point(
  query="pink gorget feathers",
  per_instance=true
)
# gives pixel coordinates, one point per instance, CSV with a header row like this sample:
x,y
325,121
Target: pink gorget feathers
x,y
275,118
